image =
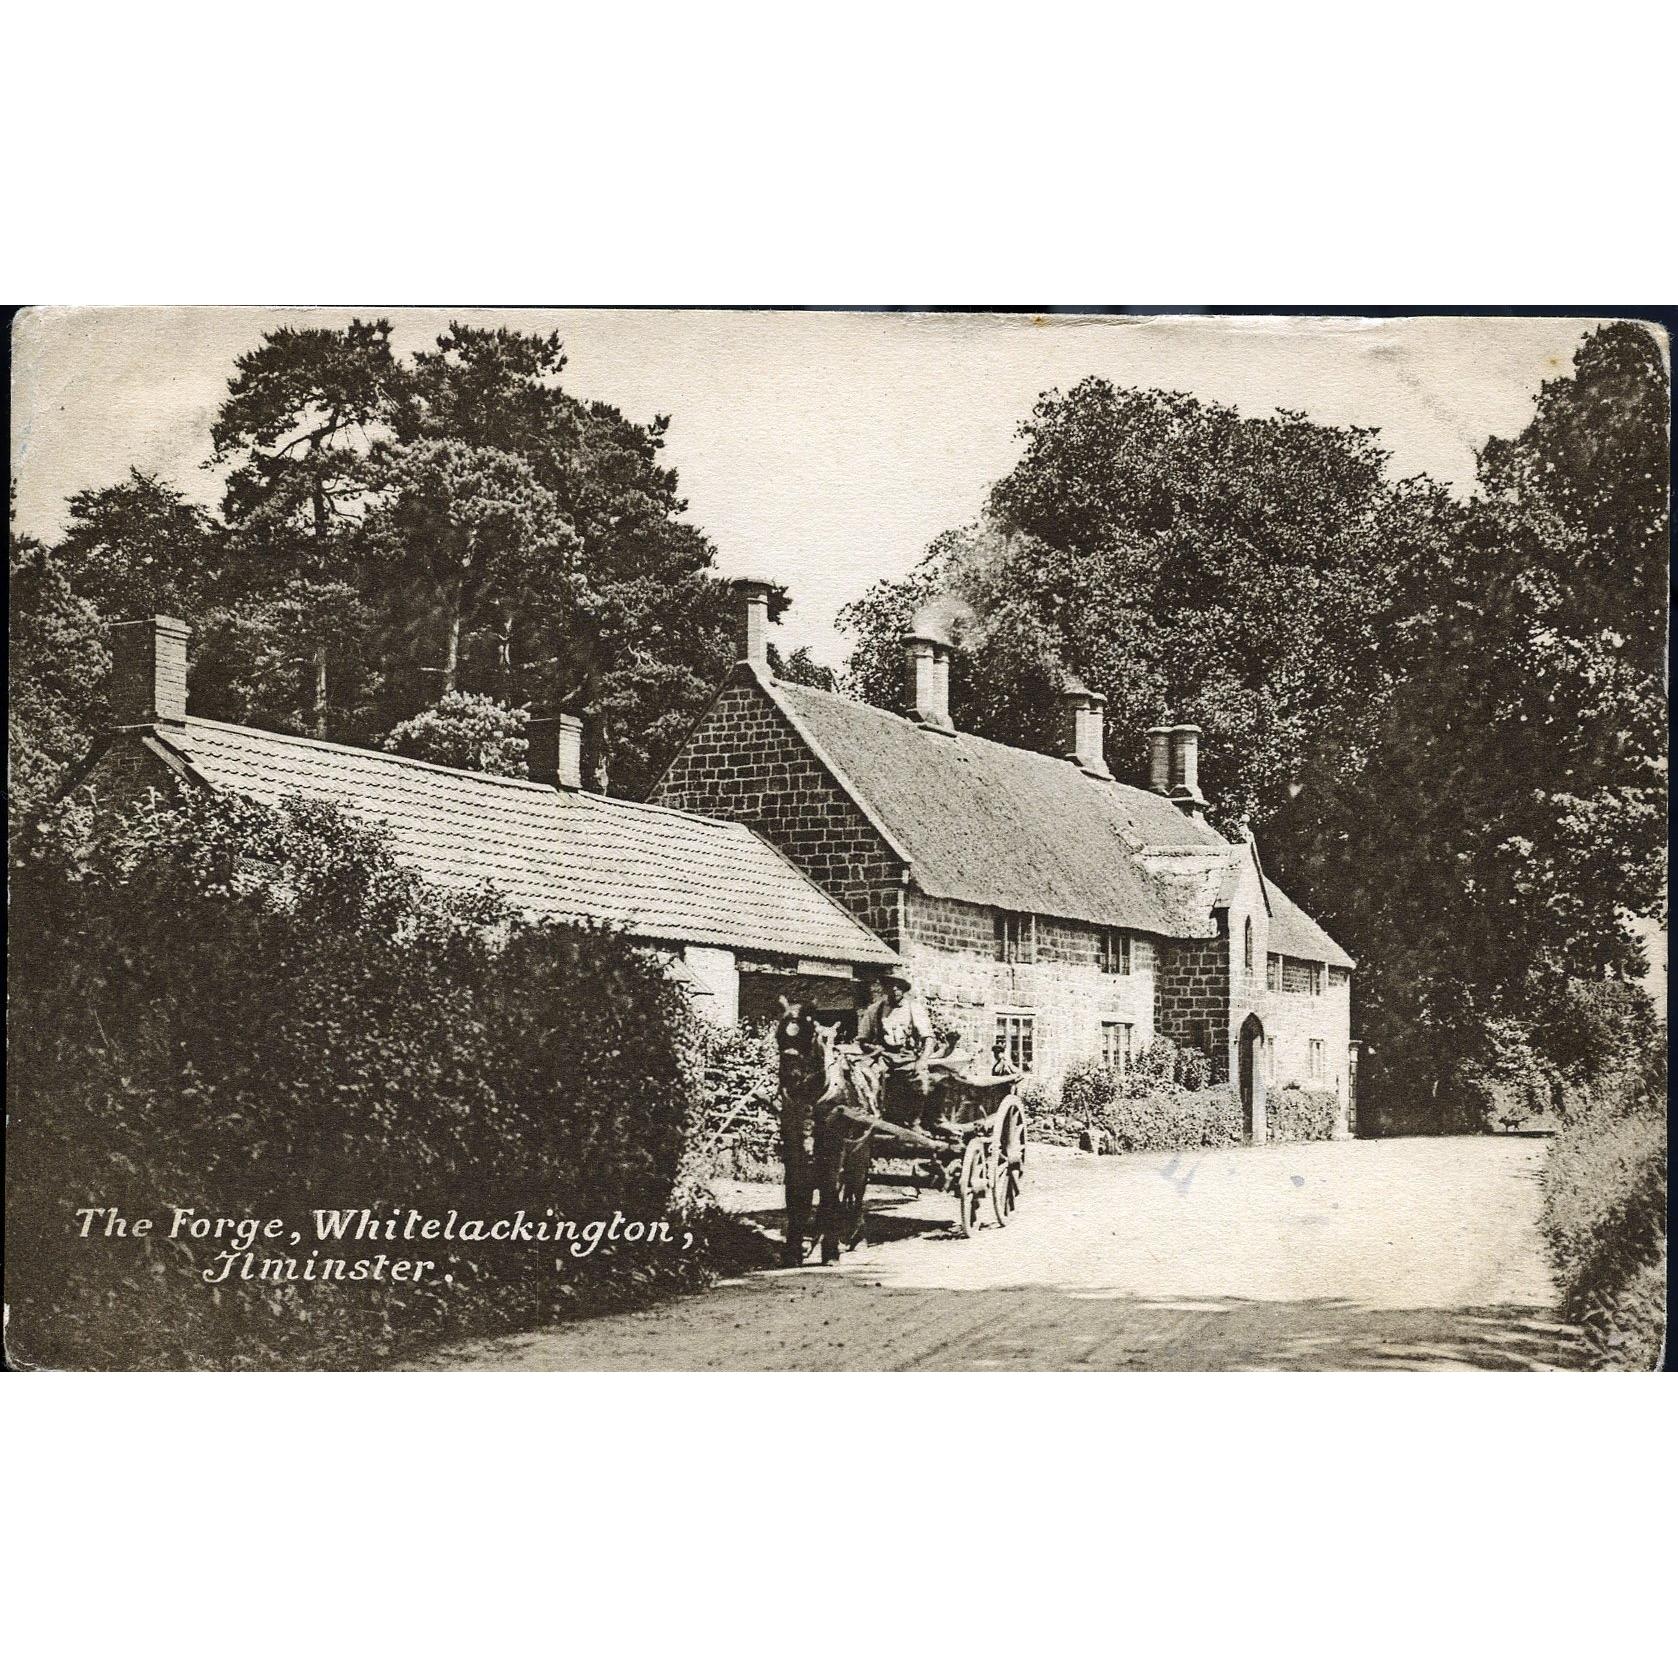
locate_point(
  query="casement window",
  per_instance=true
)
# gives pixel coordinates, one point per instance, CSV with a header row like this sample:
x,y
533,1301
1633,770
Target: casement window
x,y
1272,972
1016,937
1317,971
1115,952
1015,1036
1116,1045
1247,944
1317,1060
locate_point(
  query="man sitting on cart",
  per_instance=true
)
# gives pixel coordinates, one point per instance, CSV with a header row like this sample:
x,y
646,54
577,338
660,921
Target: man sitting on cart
x,y
898,1025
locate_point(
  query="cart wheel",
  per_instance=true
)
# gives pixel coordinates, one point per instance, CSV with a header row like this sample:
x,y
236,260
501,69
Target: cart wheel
x,y
972,1185
1010,1164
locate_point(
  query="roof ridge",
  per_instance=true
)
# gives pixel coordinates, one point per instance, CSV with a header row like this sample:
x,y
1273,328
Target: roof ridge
x,y
374,752
1112,783
662,809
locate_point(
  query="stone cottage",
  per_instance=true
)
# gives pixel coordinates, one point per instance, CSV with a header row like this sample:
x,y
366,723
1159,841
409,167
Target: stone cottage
x,y
736,919
1039,901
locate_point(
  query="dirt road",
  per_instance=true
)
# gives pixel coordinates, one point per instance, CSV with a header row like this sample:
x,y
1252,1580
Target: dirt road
x,y
1408,1254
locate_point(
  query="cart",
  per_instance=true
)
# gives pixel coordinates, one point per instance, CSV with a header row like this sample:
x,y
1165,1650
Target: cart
x,y
973,1145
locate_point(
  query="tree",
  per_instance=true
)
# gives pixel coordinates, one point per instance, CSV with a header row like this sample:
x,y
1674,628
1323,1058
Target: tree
x,y
473,530
137,548
637,629
466,731
801,666
55,679
1186,562
297,428
1509,817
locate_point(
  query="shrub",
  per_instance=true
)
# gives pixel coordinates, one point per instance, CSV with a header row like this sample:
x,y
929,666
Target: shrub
x,y
739,1131
1194,1069
1605,1211
1087,1088
1154,1067
1293,1114
258,1012
1169,1118
466,731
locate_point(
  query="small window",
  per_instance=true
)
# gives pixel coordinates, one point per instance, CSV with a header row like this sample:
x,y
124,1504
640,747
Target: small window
x,y
1014,1033
1317,971
1115,952
1115,1045
1317,1058
1272,972
1247,944
1016,937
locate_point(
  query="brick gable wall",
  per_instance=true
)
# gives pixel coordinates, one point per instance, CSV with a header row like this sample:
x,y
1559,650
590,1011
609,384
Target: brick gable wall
x,y
745,762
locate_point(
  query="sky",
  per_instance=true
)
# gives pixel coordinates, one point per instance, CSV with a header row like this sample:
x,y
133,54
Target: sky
x,y
824,449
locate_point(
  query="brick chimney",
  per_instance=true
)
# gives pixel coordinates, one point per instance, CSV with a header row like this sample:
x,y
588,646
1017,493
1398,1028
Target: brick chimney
x,y
1185,769
926,681
1159,759
753,599
148,672
556,751
1083,723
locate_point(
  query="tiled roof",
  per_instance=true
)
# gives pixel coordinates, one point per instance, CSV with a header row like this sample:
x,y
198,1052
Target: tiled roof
x,y
992,824
663,874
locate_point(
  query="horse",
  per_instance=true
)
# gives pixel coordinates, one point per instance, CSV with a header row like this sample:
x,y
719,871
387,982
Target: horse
x,y
830,1094
845,1115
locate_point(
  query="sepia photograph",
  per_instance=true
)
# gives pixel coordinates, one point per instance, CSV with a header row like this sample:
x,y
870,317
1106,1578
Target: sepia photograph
x,y
656,839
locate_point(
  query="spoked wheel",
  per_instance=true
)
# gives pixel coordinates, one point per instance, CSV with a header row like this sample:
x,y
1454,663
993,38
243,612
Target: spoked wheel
x,y
973,1184
1010,1164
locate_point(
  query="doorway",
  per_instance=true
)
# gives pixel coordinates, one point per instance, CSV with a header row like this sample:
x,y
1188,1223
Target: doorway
x,y
1250,1059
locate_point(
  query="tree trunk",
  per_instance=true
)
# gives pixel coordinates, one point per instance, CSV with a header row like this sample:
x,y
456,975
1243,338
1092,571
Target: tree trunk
x,y
320,691
451,646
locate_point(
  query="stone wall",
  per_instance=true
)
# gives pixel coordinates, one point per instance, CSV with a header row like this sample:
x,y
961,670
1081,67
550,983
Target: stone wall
x,y
951,948
1191,997
745,762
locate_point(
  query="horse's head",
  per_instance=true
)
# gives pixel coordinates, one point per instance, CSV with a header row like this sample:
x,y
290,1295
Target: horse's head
x,y
851,1075
793,1028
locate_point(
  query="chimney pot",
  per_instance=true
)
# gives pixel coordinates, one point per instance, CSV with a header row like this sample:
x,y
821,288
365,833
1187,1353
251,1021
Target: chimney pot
x,y
1159,759
556,751
1185,769
926,681
752,597
148,672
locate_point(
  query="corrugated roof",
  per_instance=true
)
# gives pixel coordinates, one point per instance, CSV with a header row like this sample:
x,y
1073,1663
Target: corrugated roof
x,y
663,874
992,824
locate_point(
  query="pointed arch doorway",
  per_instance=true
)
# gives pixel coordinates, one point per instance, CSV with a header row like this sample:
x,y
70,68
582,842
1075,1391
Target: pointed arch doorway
x,y
1250,1060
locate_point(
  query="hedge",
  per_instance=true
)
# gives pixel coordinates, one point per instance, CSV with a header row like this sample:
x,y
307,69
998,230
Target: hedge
x,y
1605,1211
257,1012
1292,1114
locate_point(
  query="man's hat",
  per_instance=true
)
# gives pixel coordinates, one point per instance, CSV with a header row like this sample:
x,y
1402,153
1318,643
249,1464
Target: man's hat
x,y
898,974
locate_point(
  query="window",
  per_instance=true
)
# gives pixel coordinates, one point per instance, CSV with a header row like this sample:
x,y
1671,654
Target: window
x,y
1016,937
1272,972
1115,952
1317,1058
1317,971
1115,1045
1247,943
1014,1034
